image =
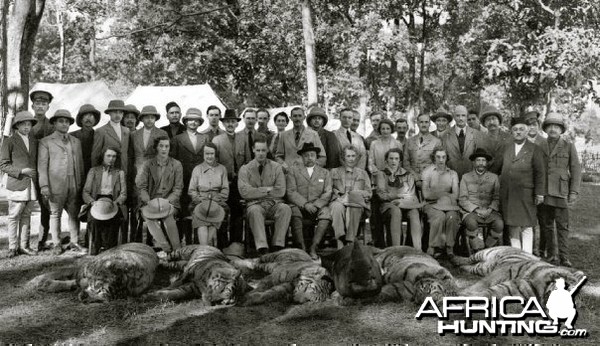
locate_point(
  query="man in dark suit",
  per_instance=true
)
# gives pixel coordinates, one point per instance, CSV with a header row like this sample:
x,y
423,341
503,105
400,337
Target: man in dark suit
x,y
187,149
496,139
173,114
441,118
317,119
87,117
522,185
213,114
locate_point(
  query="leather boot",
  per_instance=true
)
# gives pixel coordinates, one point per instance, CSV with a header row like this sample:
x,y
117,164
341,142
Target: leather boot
x,y
297,233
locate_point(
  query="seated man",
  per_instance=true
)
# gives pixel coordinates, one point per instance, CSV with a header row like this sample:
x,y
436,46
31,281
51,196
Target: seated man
x,y
160,181
261,183
348,180
479,198
309,191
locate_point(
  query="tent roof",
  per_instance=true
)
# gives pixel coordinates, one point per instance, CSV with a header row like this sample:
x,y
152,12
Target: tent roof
x,y
74,95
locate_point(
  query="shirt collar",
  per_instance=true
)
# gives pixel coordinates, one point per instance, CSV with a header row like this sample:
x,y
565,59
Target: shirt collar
x,y
25,138
458,129
435,168
158,162
388,171
349,169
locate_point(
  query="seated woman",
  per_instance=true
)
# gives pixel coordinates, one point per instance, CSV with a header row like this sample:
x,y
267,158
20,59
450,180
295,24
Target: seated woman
x,y
105,192
209,182
396,190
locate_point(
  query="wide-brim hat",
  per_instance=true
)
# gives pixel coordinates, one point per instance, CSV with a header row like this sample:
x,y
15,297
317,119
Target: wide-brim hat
x,y
193,114
209,211
230,114
356,200
157,208
132,109
445,203
23,116
441,112
116,105
489,111
235,249
317,112
306,147
41,93
554,119
85,109
62,113
149,110
104,209
408,202
480,152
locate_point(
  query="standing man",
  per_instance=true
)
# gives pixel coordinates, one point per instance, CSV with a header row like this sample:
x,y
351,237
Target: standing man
x,y
317,119
262,117
460,142
355,124
309,191
187,149
401,131
249,134
534,135
479,199
231,152
293,140
262,185
375,118
41,103
441,118
87,117
18,160
213,113
346,136
564,179
130,118
418,149
60,168
173,114
473,121
496,139
522,185
113,134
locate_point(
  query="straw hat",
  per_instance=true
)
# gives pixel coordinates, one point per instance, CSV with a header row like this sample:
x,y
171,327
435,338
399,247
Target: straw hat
x,y
408,202
489,111
104,209
193,114
209,211
157,208
445,203
317,112
23,116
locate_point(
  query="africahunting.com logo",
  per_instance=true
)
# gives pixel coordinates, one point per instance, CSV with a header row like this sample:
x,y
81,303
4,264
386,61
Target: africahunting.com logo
x,y
500,318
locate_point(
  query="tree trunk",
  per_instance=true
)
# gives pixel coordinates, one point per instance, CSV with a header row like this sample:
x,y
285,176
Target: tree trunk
x,y
61,34
22,21
92,56
422,62
309,47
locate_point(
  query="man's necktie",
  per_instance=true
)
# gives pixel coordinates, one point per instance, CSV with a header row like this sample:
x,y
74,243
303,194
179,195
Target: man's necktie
x,y
297,138
260,169
461,140
250,144
421,140
349,135
65,139
276,143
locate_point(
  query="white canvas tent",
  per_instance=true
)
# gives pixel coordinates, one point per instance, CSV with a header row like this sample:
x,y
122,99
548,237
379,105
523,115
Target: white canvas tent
x,y
198,96
72,96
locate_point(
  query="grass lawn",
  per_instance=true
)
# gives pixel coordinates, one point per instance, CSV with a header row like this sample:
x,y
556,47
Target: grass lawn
x,y
29,316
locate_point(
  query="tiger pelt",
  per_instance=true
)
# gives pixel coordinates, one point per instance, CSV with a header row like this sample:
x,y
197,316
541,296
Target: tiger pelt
x,y
411,275
291,276
509,271
207,274
124,271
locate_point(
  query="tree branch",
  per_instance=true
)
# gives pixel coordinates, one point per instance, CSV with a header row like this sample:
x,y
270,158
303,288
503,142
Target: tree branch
x,y
546,7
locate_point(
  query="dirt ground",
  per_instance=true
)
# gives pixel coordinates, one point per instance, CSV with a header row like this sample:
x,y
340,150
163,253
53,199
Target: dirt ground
x,y
29,316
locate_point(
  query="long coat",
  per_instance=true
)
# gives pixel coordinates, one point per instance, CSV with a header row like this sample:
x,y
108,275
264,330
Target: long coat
x,y
523,177
87,142
14,156
332,148
106,136
459,161
52,163
564,169
417,155
183,151
315,189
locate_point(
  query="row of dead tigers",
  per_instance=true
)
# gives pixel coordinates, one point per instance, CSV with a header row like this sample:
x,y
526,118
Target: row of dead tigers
x,y
399,273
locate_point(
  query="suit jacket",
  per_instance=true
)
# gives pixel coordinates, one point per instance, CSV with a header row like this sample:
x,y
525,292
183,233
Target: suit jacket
x,y
287,148
147,181
183,151
332,148
232,159
315,189
141,153
357,142
479,191
179,130
564,169
87,143
459,161
93,185
247,148
14,156
495,146
250,182
360,182
210,135
370,138
268,135
523,176
42,128
417,155
106,136
52,163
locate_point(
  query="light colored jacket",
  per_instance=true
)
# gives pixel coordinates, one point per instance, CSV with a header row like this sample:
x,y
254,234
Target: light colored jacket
x,y
250,182
302,189
417,155
52,163
479,191
142,153
287,148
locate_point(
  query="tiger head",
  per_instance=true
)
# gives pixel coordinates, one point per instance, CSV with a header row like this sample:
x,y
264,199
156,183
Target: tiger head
x,y
312,285
430,287
97,289
224,286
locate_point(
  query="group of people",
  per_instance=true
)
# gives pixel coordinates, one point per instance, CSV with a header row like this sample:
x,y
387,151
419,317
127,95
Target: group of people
x,y
190,186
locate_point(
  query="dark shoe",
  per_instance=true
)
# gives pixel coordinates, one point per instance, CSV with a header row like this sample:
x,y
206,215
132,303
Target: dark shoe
x,y
57,250
553,260
12,253
565,262
276,248
77,247
27,251
263,251
42,246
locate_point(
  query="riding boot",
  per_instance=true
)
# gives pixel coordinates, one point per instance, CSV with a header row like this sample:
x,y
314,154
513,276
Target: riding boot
x,y
297,233
322,227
